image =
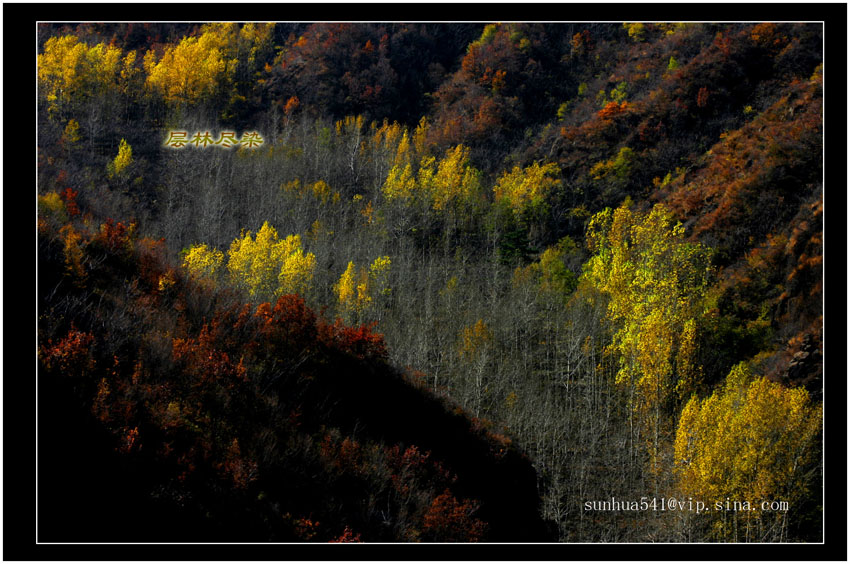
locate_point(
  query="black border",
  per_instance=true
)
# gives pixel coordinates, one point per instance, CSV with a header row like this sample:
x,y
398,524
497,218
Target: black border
x,y
19,449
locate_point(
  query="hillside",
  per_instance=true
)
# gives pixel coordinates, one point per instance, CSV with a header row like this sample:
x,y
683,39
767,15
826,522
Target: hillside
x,y
196,418
433,282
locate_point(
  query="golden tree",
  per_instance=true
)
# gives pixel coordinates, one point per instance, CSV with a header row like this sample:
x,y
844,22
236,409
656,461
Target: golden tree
x,y
749,442
267,266
357,289
122,160
654,282
191,70
69,70
202,262
521,187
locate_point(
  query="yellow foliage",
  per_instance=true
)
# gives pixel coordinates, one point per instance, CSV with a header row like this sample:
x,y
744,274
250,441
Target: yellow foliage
x,y
618,168
474,339
202,262
317,230
748,441
323,192
400,183
554,274
420,136
191,70
387,137
669,28
379,273
654,281
521,187
637,31
522,275
442,183
166,281
690,373
450,289
320,190
257,37
71,135
266,266
402,155
352,290
128,68
358,288
122,160
296,272
454,180
73,254
51,206
69,69
350,125
293,186
399,151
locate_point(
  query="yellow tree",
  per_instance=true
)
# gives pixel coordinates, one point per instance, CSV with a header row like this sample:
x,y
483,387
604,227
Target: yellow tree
x,y
475,352
551,271
122,160
254,262
654,282
296,271
749,442
521,187
383,147
400,183
453,181
70,70
190,71
266,266
420,137
358,289
202,262
51,207
71,135
413,169
352,290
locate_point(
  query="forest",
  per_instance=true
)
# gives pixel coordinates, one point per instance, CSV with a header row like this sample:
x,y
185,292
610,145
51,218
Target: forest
x,y
430,282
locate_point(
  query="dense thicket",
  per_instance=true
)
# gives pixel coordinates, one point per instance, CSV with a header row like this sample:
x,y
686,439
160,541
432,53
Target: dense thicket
x,y
591,238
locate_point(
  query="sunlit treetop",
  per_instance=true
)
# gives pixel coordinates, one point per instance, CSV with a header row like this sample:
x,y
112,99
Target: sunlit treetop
x,y
69,69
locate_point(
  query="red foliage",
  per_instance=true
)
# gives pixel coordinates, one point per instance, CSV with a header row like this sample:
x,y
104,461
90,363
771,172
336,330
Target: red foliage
x,y
70,197
290,323
347,536
71,356
721,195
360,342
702,97
448,520
306,528
416,378
240,470
582,43
151,260
410,459
649,133
291,105
612,109
412,468
343,455
200,359
768,36
115,236
129,440
722,43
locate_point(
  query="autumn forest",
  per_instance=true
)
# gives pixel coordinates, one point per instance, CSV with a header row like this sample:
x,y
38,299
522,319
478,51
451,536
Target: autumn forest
x,y
430,282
